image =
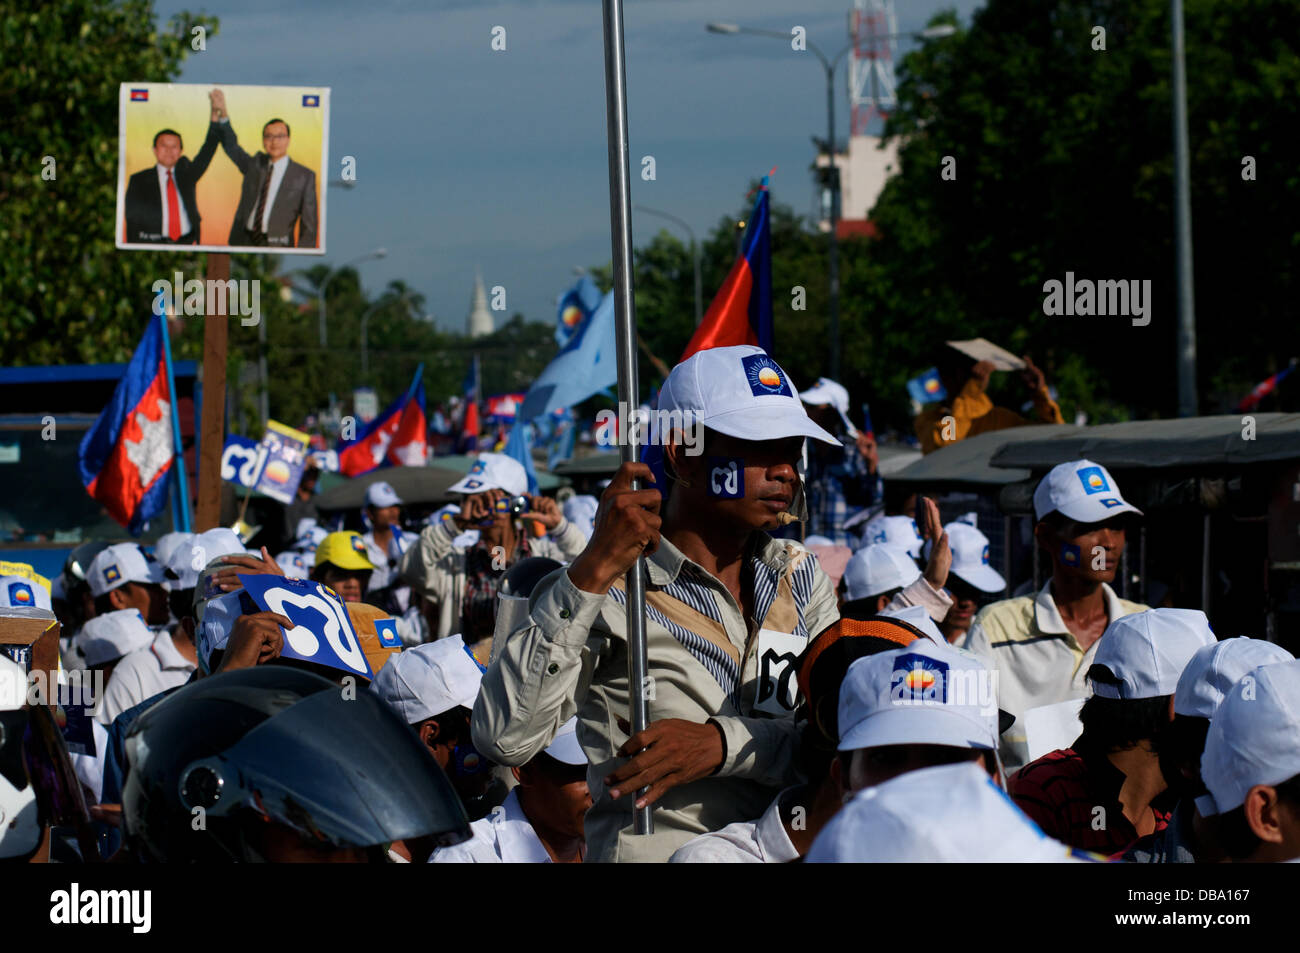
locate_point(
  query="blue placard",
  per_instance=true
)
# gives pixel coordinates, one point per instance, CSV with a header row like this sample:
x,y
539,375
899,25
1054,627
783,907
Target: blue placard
x,y
241,460
322,631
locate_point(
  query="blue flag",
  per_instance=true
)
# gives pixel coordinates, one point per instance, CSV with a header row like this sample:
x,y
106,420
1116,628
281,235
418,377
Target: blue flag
x,y
574,307
586,366
520,447
927,388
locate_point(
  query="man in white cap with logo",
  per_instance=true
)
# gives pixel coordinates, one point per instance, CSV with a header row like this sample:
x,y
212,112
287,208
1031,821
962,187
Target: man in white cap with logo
x,y
728,611
971,580
898,531
1205,682
462,583
916,707
947,814
1107,789
385,540
170,659
124,577
541,820
1042,645
841,480
1251,767
105,639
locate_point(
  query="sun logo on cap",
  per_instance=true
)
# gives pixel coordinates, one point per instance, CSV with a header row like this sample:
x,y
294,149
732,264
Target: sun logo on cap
x,y
984,556
111,574
919,678
478,467
931,385
448,517
1093,480
20,594
359,544
764,376
1110,502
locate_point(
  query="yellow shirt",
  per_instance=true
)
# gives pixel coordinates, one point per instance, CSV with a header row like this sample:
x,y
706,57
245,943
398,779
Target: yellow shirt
x,y
973,413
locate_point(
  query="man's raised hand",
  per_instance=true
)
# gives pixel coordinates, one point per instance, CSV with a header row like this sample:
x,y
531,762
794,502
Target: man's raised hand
x,y
627,525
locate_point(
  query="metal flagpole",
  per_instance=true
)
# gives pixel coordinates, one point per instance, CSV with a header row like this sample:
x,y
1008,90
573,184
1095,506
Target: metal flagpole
x,y
620,218
181,525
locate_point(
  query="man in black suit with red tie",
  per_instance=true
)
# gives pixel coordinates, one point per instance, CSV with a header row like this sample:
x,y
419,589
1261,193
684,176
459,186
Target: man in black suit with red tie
x,y
278,194
160,204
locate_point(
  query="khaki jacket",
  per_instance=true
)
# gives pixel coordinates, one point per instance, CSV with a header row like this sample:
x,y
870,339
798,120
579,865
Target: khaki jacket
x,y
705,662
436,569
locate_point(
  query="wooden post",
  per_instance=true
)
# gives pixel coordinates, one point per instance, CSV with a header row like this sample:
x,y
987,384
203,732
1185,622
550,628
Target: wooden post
x,y
213,426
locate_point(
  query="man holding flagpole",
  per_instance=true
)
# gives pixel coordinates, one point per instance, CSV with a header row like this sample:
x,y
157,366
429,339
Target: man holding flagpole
x,y
728,610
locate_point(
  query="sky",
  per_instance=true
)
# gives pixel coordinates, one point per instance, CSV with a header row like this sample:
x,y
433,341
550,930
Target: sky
x,y
471,158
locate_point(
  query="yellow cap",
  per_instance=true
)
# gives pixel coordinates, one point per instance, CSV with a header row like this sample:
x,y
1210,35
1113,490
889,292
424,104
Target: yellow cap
x,y
345,549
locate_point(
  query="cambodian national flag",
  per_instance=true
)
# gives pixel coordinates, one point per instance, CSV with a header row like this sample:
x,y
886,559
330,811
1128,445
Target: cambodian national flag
x,y
741,312
1264,388
139,95
927,388
125,458
397,437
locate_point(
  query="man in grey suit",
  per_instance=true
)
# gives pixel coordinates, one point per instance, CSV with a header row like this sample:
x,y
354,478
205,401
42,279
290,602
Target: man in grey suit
x,y
278,193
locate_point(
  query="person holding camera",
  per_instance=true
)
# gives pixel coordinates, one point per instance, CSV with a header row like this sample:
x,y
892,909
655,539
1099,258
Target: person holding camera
x,y
462,584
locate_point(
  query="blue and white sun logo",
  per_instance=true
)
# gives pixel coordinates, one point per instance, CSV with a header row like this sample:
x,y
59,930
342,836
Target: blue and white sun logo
x,y
1093,480
764,376
111,574
478,467
984,556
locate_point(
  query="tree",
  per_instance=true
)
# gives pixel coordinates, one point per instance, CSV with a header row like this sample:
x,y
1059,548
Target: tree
x,y
69,295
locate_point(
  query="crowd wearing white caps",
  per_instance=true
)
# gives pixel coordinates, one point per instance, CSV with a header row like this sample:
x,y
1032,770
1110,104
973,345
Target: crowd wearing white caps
x,y
970,730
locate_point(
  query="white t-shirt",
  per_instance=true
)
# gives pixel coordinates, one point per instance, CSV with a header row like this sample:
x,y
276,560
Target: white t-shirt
x,y
142,674
763,841
503,837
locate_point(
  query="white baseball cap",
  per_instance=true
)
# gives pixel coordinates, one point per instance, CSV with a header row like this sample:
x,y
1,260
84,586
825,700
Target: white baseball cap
x,y
1216,668
741,392
381,494
309,534
1081,490
970,557
952,813
201,548
1254,737
564,746
898,531
122,563
878,568
108,637
493,471
426,680
167,544
19,592
1147,651
828,392
918,617
294,565
926,693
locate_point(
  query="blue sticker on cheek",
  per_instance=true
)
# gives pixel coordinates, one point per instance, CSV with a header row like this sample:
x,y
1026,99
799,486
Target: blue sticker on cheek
x,y
726,478
1070,554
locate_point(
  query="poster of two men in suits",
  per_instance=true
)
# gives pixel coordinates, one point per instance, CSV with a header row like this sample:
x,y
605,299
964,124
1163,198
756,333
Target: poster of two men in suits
x,y
222,168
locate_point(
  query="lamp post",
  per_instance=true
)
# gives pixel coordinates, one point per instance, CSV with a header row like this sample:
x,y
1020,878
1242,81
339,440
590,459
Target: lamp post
x,y
320,294
833,171
365,323
695,257
1183,221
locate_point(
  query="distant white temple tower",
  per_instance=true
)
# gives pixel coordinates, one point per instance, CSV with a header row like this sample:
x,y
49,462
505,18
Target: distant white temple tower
x,y
479,322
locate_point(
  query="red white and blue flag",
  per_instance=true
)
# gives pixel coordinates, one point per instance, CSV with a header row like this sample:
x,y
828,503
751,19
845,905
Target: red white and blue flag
x,y
1264,388
397,437
126,457
139,95
741,312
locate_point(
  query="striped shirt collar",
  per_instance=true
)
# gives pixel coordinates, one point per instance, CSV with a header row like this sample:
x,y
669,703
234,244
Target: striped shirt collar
x,y
665,564
1048,617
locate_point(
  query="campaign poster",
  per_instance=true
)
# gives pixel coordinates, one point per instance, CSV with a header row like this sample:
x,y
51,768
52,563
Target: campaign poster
x,y
222,168
285,453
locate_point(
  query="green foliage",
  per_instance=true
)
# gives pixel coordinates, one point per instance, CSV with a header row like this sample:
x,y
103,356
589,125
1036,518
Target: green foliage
x,y
66,294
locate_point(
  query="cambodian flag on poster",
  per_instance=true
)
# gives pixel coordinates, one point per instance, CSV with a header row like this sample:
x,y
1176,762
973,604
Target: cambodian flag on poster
x,y
397,437
126,457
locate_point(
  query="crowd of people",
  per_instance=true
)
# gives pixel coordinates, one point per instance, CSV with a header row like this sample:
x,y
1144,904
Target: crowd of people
x,y
459,692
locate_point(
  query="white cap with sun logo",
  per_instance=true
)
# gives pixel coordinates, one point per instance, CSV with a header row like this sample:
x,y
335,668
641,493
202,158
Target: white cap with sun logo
x,y
741,392
1081,490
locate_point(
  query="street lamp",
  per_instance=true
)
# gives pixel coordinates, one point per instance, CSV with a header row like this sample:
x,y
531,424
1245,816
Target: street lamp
x,y
320,294
695,257
833,171
365,322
